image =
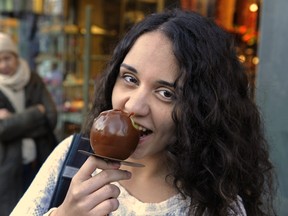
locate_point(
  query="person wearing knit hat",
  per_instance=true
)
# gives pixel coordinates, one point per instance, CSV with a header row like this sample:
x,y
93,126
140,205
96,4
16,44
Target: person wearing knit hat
x,y
28,117
7,44
9,60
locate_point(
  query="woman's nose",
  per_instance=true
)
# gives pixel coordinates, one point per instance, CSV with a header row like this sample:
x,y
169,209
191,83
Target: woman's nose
x,y
3,69
138,103
2,64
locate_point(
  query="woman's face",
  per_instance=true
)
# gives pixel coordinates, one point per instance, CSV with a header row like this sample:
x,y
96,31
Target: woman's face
x,y
145,87
8,63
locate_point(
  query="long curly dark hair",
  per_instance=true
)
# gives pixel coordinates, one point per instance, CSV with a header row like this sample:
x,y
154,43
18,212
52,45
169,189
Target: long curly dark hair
x,y
221,153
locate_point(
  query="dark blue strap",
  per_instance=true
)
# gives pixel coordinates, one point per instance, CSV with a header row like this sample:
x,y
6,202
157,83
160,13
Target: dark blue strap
x,y
71,165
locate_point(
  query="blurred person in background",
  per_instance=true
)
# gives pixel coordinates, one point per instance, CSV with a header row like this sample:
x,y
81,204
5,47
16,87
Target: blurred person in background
x,y
28,117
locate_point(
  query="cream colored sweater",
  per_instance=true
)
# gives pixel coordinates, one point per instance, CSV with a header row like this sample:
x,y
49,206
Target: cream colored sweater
x,y
37,198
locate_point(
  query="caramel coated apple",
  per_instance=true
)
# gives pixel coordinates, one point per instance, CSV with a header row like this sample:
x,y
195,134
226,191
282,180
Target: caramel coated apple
x,y
114,135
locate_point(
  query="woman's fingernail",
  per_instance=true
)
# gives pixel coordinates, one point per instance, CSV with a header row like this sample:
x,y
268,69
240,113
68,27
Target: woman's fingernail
x,y
129,174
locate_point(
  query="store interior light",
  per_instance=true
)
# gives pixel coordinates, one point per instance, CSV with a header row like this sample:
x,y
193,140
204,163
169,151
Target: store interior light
x,y
253,7
255,60
242,58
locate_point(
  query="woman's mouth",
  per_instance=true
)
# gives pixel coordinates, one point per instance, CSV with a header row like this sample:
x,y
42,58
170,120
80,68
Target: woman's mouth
x,y
144,131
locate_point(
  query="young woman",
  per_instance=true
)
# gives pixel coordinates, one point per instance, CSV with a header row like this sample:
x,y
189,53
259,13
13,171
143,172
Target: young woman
x,y
201,141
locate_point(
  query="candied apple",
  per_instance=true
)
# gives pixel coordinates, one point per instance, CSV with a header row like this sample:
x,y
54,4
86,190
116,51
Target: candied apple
x,y
114,134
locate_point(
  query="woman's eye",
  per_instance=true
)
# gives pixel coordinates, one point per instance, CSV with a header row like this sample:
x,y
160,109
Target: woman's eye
x,y
129,79
167,95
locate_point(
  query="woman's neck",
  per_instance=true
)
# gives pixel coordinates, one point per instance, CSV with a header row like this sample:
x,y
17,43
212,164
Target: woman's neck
x,y
151,183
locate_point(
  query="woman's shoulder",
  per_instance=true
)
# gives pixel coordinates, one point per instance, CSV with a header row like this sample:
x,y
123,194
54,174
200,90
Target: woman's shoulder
x,y
62,148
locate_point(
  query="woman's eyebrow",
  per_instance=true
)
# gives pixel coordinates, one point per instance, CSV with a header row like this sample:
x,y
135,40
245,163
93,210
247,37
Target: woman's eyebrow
x,y
162,82
130,68
165,83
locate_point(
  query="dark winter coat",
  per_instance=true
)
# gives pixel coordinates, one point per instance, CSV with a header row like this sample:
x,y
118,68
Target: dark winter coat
x,y
31,123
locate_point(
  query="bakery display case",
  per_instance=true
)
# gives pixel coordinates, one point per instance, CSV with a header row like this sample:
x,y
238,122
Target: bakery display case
x,y
69,66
